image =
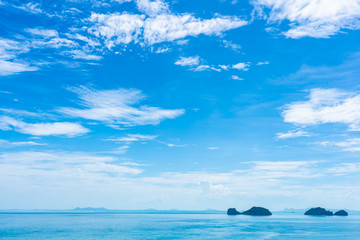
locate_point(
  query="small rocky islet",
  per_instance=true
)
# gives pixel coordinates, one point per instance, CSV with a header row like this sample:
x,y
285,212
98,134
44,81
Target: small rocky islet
x,y
341,213
254,211
260,211
319,211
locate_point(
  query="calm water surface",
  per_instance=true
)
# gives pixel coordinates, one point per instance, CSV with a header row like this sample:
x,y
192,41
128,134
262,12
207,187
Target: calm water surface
x,y
176,226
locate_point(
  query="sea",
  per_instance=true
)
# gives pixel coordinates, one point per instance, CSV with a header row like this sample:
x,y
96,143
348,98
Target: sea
x,y
80,226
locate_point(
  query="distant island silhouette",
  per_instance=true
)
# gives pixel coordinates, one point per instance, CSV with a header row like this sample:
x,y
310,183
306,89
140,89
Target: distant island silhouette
x,y
319,211
341,213
254,211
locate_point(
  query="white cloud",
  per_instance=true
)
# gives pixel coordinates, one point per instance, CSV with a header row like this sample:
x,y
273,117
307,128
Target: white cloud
x,y
42,129
194,62
9,68
319,19
117,28
65,163
241,66
213,148
224,67
88,38
6,143
345,168
188,61
283,168
263,63
127,28
349,145
235,47
293,134
169,27
201,68
46,33
121,150
9,50
163,50
116,107
234,77
173,145
152,8
133,138
325,106
15,112
79,54
30,8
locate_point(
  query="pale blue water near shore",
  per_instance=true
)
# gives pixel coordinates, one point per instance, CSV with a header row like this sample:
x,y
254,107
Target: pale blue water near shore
x,y
176,226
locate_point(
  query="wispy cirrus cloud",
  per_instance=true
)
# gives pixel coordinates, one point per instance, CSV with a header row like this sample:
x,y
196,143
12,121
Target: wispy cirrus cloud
x,y
348,145
42,129
344,168
8,144
325,106
67,163
117,107
9,68
98,33
308,18
293,134
9,64
133,138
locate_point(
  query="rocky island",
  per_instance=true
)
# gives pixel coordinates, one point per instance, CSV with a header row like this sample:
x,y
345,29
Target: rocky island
x,y
254,211
341,213
318,211
232,211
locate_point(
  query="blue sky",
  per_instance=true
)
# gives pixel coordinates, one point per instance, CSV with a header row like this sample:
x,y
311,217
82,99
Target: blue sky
x,y
179,104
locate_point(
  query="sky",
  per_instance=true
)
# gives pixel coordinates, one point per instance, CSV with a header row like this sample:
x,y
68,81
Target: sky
x,y
137,104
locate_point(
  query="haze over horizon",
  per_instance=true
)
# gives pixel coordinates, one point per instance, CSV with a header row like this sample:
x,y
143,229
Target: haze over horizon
x,y
137,104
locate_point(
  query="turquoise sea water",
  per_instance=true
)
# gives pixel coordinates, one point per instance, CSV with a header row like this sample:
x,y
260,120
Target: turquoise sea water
x,y
176,226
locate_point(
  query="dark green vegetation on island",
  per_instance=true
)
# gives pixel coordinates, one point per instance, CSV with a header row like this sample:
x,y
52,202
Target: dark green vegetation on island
x,y
254,211
318,211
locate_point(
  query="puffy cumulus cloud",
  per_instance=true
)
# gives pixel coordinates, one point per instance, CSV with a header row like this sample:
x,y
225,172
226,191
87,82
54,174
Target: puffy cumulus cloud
x,y
293,134
241,66
308,18
234,77
117,28
42,129
325,106
116,107
152,8
188,61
